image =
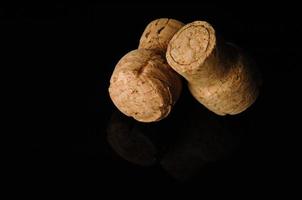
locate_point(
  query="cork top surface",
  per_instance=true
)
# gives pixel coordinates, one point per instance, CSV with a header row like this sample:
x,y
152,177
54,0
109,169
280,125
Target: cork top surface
x,y
158,33
191,45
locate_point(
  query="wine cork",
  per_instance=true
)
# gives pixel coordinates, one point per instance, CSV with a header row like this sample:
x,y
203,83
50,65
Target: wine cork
x,y
219,75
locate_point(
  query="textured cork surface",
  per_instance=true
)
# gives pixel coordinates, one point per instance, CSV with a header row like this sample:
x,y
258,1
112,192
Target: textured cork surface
x,y
232,94
189,48
218,74
144,86
158,33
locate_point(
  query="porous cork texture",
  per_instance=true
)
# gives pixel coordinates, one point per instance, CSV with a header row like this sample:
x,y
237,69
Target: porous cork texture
x,y
219,75
158,33
144,86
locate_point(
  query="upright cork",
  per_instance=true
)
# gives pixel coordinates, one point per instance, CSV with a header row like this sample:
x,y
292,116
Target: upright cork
x,y
219,75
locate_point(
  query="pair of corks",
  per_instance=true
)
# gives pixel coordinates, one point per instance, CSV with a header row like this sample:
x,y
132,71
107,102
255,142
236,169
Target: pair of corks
x,y
146,82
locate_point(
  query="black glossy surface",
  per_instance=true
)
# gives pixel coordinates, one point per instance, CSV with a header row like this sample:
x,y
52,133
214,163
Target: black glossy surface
x,y
65,53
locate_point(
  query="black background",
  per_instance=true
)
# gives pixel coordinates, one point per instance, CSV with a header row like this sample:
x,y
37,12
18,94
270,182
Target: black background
x,y
62,55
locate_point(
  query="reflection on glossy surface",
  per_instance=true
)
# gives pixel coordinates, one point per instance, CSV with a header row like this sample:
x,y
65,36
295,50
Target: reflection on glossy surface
x,y
183,145
129,141
204,138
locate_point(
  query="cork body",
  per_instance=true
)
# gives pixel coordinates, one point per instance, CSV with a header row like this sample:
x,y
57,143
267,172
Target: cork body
x,y
219,75
144,86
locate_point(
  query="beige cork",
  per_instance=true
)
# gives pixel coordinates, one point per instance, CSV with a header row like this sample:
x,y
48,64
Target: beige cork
x,y
158,33
219,75
144,86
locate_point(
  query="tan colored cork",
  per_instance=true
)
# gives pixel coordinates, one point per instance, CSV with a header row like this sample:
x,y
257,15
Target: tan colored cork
x,y
144,86
158,33
219,75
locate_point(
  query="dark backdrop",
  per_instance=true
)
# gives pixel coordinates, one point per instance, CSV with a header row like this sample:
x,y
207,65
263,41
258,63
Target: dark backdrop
x,y
64,54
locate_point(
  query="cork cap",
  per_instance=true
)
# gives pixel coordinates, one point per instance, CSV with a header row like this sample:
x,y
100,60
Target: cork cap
x,y
143,86
158,33
190,46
